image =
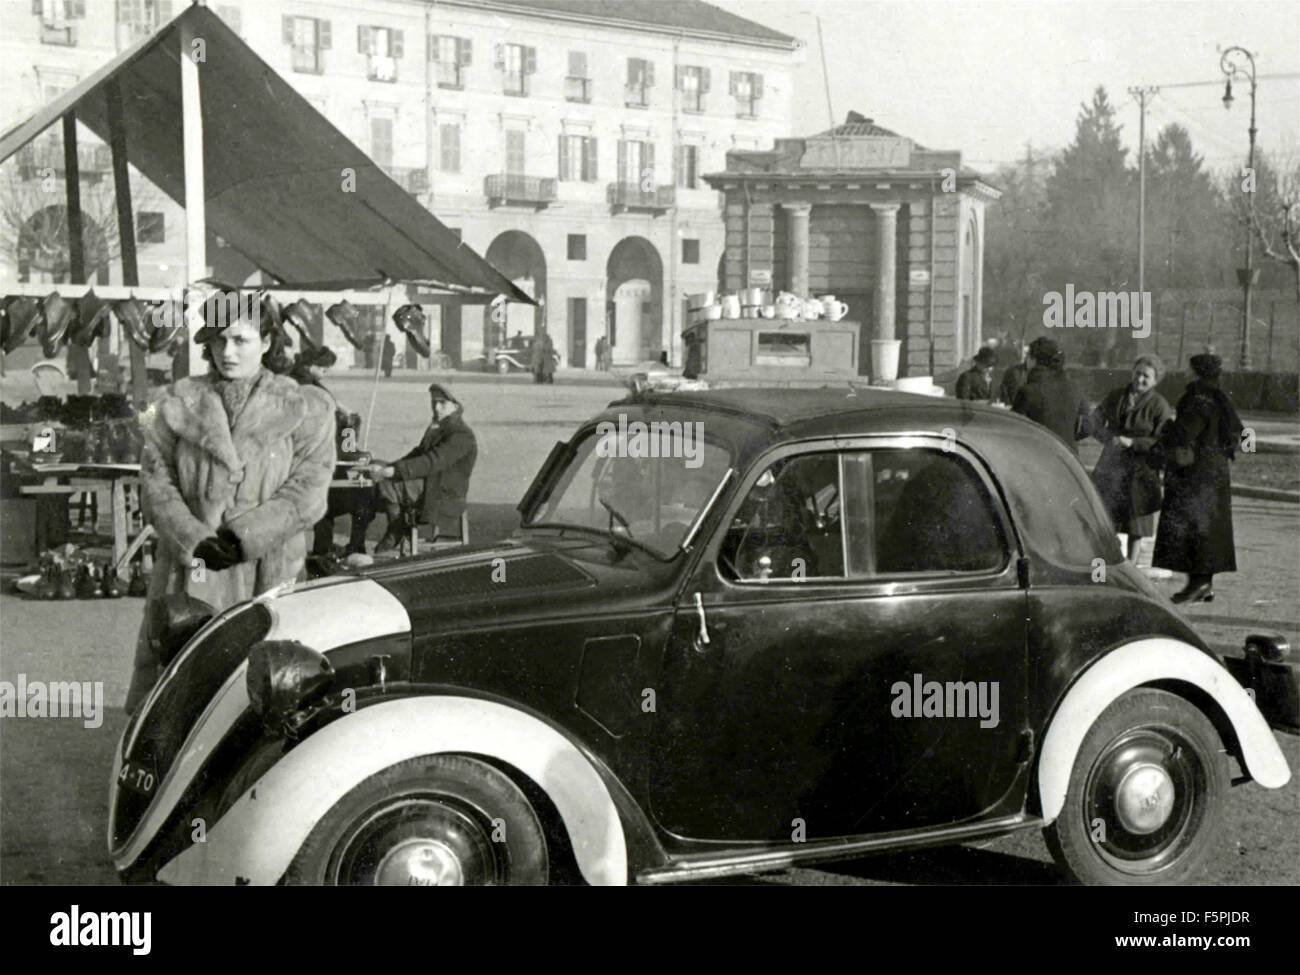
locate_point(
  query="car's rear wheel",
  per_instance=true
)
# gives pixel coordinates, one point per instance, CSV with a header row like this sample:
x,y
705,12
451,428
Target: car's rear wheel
x,y
437,820
1146,795
503,366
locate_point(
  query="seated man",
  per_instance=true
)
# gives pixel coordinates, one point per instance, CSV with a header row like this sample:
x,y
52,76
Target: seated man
x,y
434,477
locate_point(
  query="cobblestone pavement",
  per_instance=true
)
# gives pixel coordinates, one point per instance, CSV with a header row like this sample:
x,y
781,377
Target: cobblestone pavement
x,y
54,773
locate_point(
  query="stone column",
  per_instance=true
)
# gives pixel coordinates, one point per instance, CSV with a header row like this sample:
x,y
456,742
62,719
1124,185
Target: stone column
x,y
886,268
797,245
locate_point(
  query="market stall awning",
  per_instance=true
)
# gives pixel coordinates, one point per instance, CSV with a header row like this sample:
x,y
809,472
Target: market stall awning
x,y
283,185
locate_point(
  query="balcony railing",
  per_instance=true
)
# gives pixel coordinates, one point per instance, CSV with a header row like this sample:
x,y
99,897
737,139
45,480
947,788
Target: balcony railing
x,y
636,96
630,196
577,89
380,67
62,35
511,188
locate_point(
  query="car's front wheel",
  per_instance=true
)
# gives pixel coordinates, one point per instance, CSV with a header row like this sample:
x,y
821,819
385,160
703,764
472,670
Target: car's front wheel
x,y
503,366
1146,795
433,821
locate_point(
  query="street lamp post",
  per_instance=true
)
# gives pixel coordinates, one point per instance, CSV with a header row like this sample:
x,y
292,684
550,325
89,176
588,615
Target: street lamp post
x,y
1232,64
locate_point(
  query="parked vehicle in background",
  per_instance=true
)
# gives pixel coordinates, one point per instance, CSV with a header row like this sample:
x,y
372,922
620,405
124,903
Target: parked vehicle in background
x,y
514,356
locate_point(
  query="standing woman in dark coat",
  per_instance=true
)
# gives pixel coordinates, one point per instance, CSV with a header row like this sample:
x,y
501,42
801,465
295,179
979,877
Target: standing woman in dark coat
x,y
1048,397
1195,534
1129,422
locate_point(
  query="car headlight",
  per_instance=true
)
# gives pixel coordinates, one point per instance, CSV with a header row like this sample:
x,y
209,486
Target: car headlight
x,y
284,676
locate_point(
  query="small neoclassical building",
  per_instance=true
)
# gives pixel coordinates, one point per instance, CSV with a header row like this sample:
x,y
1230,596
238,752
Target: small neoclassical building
x,y
890,227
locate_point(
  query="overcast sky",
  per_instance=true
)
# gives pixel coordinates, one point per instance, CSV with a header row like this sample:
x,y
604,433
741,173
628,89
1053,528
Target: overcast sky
x,y
987,76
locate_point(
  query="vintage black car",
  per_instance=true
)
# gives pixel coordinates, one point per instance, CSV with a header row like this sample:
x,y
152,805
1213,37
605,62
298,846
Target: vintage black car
x,y
736,630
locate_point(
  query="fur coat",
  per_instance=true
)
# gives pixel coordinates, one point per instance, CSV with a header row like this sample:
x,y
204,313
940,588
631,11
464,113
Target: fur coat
x,y
266,480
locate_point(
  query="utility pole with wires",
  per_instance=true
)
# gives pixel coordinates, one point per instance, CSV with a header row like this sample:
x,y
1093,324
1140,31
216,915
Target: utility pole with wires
x,y
1142,93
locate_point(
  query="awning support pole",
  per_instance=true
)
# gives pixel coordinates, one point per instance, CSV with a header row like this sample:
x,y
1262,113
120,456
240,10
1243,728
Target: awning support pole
x,y
76,244
125,230
196,258
72,183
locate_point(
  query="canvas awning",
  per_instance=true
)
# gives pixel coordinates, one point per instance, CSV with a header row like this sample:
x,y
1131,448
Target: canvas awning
x,y
276,171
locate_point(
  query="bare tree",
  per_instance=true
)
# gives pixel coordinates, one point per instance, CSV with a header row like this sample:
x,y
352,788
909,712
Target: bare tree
x,y
1274,210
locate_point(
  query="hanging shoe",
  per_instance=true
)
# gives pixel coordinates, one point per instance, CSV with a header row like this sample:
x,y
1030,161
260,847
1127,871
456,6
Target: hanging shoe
x,y
111,587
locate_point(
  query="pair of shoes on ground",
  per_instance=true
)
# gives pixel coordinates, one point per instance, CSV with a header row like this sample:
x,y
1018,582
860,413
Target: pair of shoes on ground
x,y
1201,592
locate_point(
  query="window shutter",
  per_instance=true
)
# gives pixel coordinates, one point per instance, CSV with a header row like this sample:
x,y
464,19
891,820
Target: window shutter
x,y
577,64
464,47
286,30
530,60
323,34
38,7
499,56
704,81
433,47
678,74
648,160
758,86
649,74
564,156
622,160
589,164
398,44
363,40
631,71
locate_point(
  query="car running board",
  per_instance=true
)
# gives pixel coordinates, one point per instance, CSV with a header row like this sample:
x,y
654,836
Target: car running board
x,y
709,866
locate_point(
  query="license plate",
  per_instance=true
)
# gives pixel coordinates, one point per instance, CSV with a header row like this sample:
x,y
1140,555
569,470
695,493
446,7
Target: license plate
x,y
138,777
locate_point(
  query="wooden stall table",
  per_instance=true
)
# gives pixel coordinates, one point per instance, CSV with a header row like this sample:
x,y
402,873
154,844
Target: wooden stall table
x,y
115,478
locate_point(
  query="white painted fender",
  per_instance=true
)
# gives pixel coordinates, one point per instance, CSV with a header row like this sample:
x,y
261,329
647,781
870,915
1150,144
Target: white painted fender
x,y
1142,662
259,836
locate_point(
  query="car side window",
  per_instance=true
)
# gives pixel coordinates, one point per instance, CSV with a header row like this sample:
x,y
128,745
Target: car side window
x,y
788,527
918,510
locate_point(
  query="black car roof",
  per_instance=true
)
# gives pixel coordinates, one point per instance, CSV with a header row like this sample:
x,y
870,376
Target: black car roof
x,y
843,410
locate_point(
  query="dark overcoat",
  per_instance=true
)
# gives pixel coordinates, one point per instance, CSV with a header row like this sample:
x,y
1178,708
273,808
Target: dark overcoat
x,y
972,385
1128,479
444,460
1195,533
1048,397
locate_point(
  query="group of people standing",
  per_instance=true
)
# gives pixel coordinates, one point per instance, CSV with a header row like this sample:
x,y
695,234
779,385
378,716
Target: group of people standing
x,y
1154,458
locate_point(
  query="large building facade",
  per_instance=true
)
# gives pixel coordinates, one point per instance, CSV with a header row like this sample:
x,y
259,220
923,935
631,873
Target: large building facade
x,y
565,140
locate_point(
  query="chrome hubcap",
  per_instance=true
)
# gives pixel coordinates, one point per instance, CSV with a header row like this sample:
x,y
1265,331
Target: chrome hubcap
x,y
1144,798
420,862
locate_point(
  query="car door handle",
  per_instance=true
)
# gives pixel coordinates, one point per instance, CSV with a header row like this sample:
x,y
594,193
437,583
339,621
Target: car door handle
x,y
701,640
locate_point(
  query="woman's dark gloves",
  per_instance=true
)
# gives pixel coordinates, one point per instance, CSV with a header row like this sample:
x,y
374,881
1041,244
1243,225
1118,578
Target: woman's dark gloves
x,y
219,551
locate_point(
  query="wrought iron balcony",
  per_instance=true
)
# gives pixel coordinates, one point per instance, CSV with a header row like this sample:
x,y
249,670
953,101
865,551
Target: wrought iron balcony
x,y
630,196
636,96
536,191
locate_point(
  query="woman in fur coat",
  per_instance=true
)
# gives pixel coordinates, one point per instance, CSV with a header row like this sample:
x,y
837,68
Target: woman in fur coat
x,y
236,468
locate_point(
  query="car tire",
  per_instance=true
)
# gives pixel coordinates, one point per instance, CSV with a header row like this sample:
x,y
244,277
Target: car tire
x,y
1145,803
503,366
437,820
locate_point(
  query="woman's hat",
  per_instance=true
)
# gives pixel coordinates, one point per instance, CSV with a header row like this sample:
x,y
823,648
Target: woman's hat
x,y
986,357
57,314
94,318
1207,365
1045,352
22,315
346,318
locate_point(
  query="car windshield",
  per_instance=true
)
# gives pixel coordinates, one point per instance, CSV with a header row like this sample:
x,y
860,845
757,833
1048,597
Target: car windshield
x,y
645,482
